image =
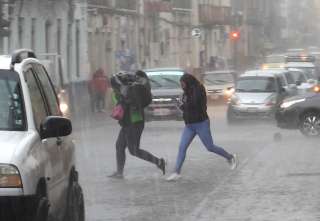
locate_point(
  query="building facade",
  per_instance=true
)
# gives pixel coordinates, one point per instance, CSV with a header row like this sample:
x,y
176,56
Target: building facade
x,y
56,31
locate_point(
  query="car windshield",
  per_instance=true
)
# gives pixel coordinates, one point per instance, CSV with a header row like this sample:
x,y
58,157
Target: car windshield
x,y
256,84
310,72
298,76
218,79
165,79
11,102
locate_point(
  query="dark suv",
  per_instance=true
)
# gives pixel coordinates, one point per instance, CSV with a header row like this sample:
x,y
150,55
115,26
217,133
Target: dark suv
x,y
301,112
166,93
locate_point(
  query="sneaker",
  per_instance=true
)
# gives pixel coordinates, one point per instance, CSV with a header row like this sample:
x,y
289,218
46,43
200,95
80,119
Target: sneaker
x,y
233,162
116,175
173,177
162,166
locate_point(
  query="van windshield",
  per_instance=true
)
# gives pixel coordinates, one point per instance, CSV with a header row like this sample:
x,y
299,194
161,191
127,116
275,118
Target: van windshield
x,y
218,79
11,102
256,84
165,79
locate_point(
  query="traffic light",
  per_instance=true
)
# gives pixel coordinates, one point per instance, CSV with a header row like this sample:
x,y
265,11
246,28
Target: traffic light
x,y
234,35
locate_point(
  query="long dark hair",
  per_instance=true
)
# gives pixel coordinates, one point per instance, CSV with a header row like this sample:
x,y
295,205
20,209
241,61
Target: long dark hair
x,y
190,81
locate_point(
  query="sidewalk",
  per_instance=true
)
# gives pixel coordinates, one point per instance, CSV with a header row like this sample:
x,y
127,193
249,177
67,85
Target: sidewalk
x,y
280,183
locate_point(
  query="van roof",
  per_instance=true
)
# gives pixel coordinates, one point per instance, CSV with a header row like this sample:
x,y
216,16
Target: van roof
x,y
300,65
263,73
221,72
164,69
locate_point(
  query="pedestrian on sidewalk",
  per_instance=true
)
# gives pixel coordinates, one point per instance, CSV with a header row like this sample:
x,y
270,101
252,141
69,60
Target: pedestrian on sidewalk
x,y
98,87
132,123
194,107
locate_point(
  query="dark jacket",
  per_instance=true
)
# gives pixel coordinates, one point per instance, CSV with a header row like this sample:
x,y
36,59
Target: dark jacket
x,y
194,100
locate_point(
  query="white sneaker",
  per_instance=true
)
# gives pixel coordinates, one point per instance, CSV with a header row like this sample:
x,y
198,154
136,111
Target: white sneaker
x,y
173,177
233,162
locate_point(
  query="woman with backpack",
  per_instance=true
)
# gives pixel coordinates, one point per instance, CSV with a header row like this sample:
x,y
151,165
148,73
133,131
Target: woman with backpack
x,y
126,90
194,107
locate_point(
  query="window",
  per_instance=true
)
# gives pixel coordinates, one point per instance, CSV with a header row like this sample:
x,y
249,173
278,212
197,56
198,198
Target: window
x,y
20,31
12,115
48,26
290,79
78,48
33,33
37,102
48,90
59,24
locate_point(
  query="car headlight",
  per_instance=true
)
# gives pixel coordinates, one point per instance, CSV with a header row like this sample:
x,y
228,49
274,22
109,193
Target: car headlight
x,y
9,177
271,101
288,104
64,107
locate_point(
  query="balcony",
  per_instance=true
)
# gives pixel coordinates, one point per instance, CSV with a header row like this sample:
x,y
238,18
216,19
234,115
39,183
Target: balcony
x,y
181,4
103,3
215,15
127,5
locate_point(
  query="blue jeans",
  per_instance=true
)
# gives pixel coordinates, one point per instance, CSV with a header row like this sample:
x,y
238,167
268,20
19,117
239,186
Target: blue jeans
x,y
202,129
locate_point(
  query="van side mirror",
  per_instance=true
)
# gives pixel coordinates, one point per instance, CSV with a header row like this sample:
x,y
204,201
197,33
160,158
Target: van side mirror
x,y
283,90
298,83
55,126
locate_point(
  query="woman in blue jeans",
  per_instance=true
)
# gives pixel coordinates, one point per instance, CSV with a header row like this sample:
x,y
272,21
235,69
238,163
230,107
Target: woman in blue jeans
x,y
194,107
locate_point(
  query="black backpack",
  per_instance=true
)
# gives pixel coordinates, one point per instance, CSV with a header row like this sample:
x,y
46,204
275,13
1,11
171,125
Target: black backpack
x,y
140,93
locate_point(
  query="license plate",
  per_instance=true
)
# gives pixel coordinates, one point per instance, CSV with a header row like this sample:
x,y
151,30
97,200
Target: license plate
x,y
252,109
161,112
214,97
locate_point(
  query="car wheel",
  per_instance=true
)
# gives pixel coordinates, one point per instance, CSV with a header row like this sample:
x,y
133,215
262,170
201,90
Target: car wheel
x,y
310,124
42,211
75,204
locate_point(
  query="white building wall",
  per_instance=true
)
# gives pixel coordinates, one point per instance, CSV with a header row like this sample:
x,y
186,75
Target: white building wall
x,y
43,11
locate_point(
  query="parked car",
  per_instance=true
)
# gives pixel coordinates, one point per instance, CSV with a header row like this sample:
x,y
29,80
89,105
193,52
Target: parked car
x,y
38,176
166,92
258,93
219,84
301,112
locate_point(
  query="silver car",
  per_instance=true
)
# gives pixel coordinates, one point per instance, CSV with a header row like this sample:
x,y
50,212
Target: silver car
x,y
219,84
258,94
38,176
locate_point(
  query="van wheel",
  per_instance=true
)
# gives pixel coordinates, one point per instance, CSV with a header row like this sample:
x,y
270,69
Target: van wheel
x,y
42,211
75,205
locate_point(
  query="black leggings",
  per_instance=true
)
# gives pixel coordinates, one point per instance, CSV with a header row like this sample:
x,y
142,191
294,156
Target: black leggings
x,y
130,136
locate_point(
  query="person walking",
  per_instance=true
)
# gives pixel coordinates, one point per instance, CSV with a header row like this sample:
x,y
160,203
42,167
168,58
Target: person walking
x,y
132,123
194,107
98,88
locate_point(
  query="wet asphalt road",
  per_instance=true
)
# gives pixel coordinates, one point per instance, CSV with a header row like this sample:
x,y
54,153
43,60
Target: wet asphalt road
x,y
275,180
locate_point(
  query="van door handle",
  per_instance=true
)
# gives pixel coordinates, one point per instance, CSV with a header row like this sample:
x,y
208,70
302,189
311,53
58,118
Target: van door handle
x,y
59,141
